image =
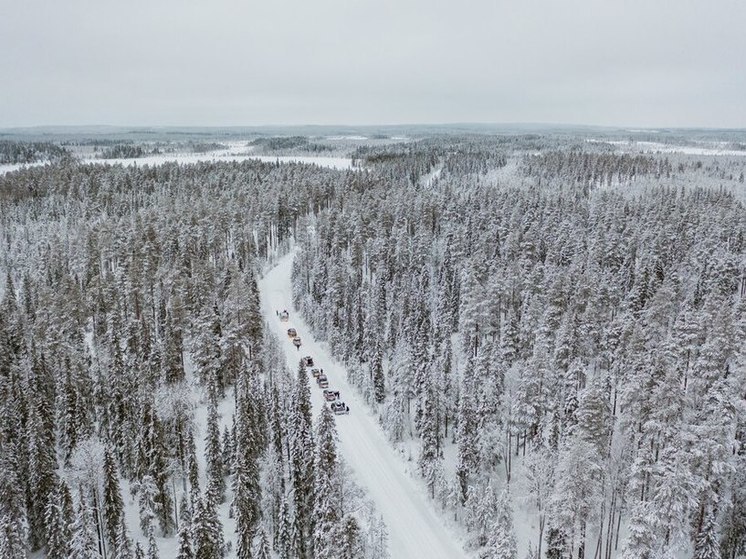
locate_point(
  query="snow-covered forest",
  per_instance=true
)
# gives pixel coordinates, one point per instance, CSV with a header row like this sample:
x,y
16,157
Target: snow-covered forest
x,y
551,332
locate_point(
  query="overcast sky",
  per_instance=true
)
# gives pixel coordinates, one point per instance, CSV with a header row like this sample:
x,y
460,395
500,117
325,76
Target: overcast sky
x,y
230,62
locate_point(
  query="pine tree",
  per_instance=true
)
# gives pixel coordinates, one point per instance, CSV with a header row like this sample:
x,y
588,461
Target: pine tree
x,y
58,516
207,530
350,540
502,538
378,540
42,464
146,500
430,440
706,544
325,511
247,492
12,540
84,543
261,550
152,546
379,381
213,454
185,544
466,437
284,542
122,549
303,474
113,504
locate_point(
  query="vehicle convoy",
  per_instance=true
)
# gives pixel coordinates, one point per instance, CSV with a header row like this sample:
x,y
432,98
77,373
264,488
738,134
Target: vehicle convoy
x,y
296,342
292,333
331,395
284,316
322,381
340,408
307,361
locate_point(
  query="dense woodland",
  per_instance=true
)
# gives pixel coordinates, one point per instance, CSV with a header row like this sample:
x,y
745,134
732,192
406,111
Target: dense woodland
x,y
134,368
551,329
30,152
575,328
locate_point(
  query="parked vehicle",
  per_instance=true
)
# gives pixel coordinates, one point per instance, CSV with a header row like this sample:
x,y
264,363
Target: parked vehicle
x,y
292,333
340,408
316,372
284,316
331,395
307,361
322,381
296,342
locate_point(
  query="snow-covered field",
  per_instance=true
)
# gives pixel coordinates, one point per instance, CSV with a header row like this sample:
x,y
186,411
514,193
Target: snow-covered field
x,y
659,147
415,529
234,152
10,167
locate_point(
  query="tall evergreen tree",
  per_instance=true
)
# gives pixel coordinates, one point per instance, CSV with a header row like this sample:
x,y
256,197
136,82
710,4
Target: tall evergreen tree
x,y
113,505
326,493
59,515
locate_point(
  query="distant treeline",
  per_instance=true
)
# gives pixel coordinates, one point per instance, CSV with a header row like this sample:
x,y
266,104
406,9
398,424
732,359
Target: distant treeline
x,y
290,142
29,152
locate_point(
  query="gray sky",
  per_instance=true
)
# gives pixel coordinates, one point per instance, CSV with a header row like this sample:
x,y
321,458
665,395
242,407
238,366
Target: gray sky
x,y
231,62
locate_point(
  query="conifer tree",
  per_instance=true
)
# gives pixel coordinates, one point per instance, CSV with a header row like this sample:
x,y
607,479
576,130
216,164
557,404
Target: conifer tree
x,y
325,510
185,544
303,472
261,550
58,521
213,454
247,492
706,545
350,539
207,530
122,549
152,546
113,506
502,538
83,544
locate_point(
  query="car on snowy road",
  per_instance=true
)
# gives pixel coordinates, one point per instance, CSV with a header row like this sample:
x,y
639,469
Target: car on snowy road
x,y
340,408
331,395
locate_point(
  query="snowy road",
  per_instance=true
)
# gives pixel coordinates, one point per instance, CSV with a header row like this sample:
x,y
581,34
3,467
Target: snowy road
x,y
415,530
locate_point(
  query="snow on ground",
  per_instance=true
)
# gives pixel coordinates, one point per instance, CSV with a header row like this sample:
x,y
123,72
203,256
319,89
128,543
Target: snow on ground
x,y
716,148
415,529
10,167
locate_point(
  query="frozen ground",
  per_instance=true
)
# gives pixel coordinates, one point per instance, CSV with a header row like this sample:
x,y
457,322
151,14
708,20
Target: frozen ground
x,y
635,146
415,529
235,152
10,167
